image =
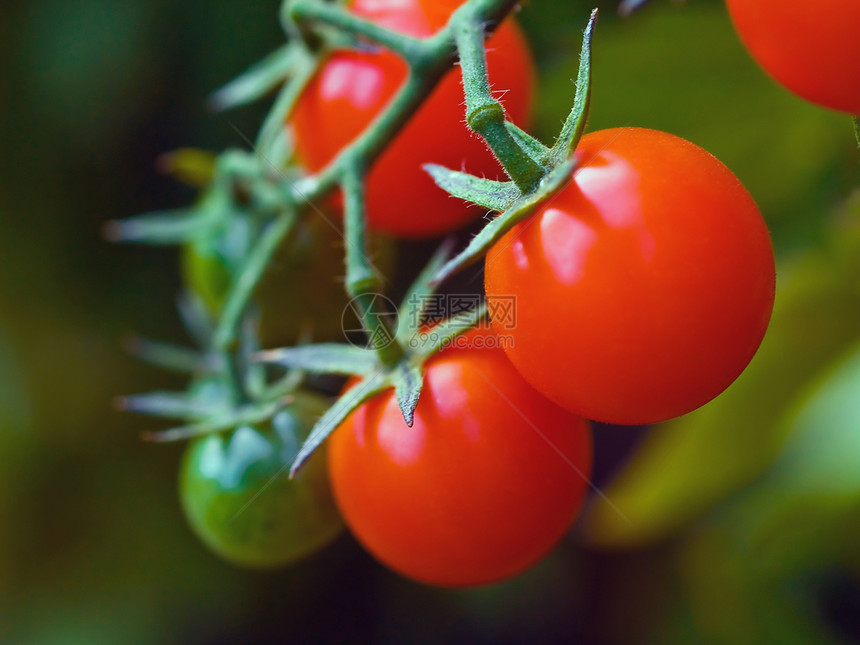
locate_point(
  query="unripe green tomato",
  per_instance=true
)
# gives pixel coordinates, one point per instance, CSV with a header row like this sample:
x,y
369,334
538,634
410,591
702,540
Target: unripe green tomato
x,y
238,497
302,286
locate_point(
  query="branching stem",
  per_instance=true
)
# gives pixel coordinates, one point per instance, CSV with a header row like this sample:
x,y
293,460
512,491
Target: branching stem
x,y
485,114
308,11
362,283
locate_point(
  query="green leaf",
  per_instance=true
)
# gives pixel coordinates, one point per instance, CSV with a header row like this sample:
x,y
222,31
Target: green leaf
x,y
534,148
487,193
330,358
416,300
408,381
801,514
349,401
496,228
574,126
821,455
722,576
257,81
751,555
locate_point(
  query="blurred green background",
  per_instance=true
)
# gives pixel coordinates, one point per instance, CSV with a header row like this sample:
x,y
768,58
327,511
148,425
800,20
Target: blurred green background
x,y
739,523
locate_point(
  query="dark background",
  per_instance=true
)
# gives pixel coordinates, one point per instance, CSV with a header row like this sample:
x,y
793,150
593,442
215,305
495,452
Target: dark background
x,y
93,546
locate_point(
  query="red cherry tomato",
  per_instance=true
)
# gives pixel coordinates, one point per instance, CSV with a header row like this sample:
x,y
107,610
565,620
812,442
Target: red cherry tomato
x,y
810,47
352,88
488,479
643,288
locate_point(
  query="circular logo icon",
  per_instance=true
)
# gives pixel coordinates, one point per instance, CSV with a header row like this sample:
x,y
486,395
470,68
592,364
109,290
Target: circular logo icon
x,y
384,323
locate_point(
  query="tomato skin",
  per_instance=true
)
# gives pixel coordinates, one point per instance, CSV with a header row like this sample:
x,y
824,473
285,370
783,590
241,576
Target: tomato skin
x,y
352,88
230,507
811,48
643,288
488,479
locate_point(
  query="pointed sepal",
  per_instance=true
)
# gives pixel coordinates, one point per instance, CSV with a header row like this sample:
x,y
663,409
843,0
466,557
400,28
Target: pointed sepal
x,y
157,228
248,415
257,81
539,153
413,308
497,227
408,381
172,358
328,358
487,193
574,126
165,404
442,335
348,402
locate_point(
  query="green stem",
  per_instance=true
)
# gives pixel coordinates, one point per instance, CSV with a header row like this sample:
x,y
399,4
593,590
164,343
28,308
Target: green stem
x,y
430,59
243,288
484,113
308,11
362,284
437,59
235,378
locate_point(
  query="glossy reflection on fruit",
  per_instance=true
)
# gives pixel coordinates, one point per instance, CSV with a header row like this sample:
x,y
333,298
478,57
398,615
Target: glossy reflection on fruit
x,y
643,288
487,480
352,88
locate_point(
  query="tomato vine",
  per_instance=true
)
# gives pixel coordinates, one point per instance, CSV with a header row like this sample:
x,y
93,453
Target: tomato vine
x,y
278,196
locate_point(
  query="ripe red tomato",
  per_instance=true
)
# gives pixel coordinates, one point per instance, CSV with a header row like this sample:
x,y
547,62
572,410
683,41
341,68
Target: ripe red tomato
x,y
643,288
812,48
488,479
352,88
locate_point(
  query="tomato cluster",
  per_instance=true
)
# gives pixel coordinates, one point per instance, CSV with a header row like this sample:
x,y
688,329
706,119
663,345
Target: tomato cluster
x,y
641,290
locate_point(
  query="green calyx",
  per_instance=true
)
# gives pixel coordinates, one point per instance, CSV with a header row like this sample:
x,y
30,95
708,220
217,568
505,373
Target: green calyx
x,y
410,343
537,172
226,391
